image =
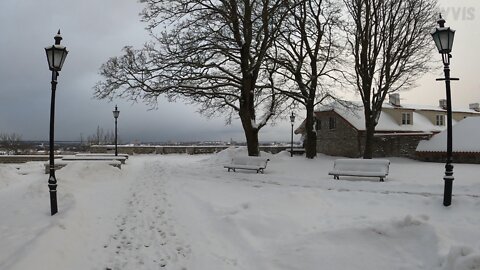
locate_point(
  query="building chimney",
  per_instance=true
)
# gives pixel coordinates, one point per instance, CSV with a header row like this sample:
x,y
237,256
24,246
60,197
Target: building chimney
x,y
442,103
394,99
474,106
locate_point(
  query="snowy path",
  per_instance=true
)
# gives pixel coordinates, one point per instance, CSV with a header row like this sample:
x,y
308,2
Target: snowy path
x,y
145,237
193,214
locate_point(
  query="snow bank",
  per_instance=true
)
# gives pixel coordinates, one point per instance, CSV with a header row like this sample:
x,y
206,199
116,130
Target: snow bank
x,y
225,156
88,196
461,258
464,139
381,245
188,212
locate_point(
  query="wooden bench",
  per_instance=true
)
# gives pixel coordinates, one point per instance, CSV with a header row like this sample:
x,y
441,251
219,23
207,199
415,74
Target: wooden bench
x,y
122,159
297,151
361,168
101,155
248,163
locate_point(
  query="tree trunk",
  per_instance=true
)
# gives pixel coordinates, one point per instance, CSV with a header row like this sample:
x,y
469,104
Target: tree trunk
x,y
247,115
251,134
370,130
311,136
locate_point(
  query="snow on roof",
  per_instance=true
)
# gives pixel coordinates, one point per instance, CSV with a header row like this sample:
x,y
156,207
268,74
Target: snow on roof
x,y
386,122
464,138
426,108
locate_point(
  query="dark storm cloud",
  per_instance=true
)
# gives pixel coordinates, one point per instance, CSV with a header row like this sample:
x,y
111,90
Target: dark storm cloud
x,y
93,31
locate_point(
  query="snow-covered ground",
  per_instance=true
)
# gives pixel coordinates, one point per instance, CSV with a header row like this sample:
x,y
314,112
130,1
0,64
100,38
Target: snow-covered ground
x,y
187,212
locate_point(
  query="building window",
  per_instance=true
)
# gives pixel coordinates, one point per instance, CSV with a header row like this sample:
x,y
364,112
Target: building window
x,y
318,124
440,120
406,118
332,122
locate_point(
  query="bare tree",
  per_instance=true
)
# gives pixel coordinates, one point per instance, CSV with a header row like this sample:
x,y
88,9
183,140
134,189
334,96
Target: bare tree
x,y
391,46
11,142
308,52
101,137
210,53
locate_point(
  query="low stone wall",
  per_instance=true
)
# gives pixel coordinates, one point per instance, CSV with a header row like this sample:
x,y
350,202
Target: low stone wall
x,y
97,149
458,157
396,146
24,158
162,150
191,150
349,143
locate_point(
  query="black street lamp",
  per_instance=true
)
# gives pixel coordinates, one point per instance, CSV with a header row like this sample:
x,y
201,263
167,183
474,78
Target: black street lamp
x,y
56,55
292,121
116,113
443,37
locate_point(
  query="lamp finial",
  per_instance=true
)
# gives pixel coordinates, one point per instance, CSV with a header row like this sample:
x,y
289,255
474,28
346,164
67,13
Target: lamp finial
x,y
58,38
441,21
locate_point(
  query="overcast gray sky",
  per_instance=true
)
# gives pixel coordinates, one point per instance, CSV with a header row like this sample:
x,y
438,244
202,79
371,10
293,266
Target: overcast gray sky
x,y
94,30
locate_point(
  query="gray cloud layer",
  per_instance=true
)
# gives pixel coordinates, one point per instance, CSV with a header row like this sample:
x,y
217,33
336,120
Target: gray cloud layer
x,y
94,30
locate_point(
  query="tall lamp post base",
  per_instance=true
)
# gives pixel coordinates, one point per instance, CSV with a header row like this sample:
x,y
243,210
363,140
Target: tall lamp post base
x,y
448,178
53,195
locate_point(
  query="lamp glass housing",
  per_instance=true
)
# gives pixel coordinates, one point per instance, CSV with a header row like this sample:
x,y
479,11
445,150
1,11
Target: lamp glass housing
x,y
56,55
116,113
443,37
292,118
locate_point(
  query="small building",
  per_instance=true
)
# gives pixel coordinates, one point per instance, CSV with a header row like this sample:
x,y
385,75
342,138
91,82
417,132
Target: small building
x,y
341,129
465,144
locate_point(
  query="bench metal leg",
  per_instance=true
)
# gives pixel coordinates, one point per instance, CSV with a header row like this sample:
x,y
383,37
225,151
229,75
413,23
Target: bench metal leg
x,y
381,179
336,177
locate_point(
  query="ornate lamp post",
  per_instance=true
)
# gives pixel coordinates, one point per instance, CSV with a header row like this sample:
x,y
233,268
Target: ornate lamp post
x,y
56,55
292,121
443,37
116,113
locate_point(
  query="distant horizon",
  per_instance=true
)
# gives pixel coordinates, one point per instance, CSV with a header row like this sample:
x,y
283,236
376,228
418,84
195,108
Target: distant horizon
x,y
164,142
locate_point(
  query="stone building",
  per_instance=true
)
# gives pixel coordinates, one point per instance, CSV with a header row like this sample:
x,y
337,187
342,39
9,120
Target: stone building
x,y
341,130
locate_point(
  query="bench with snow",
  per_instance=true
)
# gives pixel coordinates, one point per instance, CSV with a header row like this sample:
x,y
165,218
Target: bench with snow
x,y
360,167
101,155
122,159
297,151
248,163
61,164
